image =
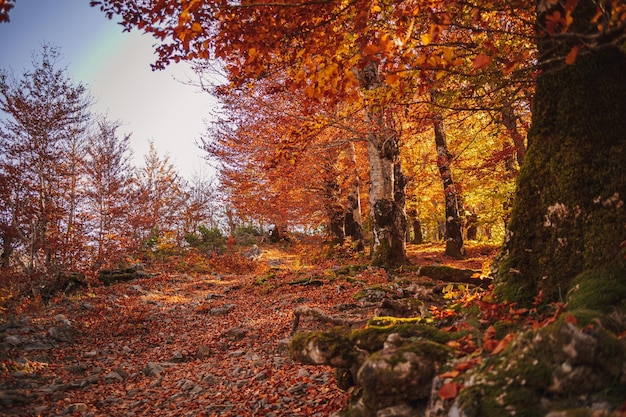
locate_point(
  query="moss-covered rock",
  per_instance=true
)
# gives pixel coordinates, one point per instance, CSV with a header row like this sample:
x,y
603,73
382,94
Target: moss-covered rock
x,y
372,338
332,347
398,375
555,368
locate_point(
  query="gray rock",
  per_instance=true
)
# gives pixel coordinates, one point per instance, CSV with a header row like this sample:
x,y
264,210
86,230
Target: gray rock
x,y
113,377
153,369
61,334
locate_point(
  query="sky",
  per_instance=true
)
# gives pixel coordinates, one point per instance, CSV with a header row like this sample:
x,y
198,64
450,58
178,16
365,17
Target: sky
x,y
115,66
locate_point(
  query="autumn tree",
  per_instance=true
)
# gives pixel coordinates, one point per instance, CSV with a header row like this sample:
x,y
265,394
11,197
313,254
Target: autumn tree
x,y
323,49
47,119
108,182
5,7
200,199
282,164
568,225
156,202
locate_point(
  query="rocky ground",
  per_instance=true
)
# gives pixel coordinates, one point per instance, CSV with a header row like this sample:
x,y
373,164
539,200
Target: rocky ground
x,y
181,345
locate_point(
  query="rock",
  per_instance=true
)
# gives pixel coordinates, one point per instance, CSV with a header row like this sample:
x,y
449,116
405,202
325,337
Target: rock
x,y
402,410
75,408
196,390
60,318
113,377
13,340
297,388
61,334
203,352
211,379
177,357
235,334
14,397
153,369
399,376
221,311
253,253
87,305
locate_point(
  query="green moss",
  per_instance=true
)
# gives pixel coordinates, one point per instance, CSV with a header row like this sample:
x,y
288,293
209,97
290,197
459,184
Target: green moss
x,y
447,273
263,279
332,347
597,289
535,366
373,337
585,318
370,292
563,220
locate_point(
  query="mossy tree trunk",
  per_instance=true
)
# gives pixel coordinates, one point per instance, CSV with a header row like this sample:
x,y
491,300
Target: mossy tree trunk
x,y
569,214
387,184
453,209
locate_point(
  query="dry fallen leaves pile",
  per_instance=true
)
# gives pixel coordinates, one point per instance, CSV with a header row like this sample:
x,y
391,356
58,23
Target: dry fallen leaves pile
x,y
172,345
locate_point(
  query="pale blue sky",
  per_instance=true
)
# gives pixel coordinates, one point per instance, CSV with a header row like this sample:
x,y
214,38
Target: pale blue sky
x,y
115,65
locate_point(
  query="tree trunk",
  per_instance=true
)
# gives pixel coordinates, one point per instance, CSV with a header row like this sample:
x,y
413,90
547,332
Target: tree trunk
x,y
353,223
388,247
454,229
510,123
568,213
334,209
414,218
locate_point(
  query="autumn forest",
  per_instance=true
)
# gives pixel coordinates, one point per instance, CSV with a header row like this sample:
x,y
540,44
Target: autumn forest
x,y
417,211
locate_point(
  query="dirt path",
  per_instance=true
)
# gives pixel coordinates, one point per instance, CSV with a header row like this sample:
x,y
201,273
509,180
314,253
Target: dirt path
x,y
181,345
174,345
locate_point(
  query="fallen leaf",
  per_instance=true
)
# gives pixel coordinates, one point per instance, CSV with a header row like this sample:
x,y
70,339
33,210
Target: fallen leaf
x,y
449,390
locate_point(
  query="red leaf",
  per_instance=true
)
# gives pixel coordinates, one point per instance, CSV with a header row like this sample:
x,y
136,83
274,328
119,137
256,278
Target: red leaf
x,y
449,390
569,318
481,61
571,56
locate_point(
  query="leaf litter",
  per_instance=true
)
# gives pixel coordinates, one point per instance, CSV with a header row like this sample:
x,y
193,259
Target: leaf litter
x,y
175,345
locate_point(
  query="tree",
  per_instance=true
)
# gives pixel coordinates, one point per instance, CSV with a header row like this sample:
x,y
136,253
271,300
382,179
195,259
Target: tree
x,y
570,189
567,227
452,202
108,182
282,165
156,203
48,115
326,51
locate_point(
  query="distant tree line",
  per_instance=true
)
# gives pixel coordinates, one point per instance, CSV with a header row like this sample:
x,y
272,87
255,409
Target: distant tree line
x,y
69,196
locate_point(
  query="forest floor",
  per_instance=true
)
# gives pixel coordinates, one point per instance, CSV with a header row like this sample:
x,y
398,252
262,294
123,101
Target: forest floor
x,y
186,344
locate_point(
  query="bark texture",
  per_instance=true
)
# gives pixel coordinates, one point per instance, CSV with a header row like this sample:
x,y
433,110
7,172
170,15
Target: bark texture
x,y
568,214
454,222
388,248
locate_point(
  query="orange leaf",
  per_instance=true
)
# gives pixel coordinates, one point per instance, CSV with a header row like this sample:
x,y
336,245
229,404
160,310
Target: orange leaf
x,y
481,61
449,390
571,56
450,374
503,343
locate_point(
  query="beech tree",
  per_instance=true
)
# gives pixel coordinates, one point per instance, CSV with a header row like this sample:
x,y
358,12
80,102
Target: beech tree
x,y
282,165
568,224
